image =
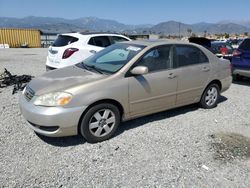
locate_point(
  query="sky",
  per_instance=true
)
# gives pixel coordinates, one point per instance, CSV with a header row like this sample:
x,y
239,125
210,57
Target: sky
x,y
131,11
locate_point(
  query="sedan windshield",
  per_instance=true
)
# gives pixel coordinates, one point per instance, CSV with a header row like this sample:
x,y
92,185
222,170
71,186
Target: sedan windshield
x,y
112,58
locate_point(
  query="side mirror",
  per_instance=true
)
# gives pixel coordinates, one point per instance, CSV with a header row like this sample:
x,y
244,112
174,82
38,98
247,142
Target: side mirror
x,y
139,70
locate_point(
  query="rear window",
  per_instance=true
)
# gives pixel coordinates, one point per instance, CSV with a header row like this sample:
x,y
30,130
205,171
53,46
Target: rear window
x,y
64,40
245,45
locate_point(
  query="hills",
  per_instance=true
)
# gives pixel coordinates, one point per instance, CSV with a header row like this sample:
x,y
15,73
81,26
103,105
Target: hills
x,y
172,27
60,25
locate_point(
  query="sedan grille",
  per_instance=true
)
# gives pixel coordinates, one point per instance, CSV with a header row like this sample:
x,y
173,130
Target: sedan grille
x,y
29,93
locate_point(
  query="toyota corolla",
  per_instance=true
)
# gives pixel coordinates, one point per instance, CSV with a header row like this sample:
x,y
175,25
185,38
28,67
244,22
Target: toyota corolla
x,y
124,81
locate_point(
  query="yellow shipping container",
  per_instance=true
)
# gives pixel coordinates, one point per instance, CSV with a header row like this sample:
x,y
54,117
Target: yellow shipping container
x,y
16,38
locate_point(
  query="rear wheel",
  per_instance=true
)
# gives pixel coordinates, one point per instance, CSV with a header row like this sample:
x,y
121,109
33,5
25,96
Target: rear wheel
x,y
100,122
210,96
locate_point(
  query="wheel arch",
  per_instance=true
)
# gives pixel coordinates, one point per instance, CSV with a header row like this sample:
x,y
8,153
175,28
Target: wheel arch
x,y
110,101
218,82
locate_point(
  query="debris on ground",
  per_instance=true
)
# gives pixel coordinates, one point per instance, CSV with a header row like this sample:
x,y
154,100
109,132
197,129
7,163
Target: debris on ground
x,y
205,167
19,81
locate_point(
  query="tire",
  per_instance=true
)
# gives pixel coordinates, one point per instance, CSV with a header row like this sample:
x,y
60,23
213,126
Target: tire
x,y
100,122
210,96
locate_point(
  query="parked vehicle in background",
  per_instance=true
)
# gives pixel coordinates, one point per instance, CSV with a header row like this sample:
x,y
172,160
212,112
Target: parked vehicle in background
x,y
201,41
222,49
241,60
235,43
72,48
124,81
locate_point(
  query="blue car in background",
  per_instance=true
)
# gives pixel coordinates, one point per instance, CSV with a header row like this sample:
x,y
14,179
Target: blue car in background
x,y
241,60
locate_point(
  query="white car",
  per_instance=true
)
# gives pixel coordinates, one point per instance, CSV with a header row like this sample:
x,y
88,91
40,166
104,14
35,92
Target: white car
x,y
72,48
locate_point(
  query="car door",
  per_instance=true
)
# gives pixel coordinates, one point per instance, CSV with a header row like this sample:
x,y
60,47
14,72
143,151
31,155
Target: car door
x,y
155,90
193,72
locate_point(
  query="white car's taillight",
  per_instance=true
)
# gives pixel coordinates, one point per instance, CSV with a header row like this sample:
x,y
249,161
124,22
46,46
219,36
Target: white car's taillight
x,y
68,52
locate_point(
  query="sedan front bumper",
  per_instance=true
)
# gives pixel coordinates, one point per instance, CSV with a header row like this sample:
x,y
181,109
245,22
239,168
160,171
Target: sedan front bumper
x,y
51,121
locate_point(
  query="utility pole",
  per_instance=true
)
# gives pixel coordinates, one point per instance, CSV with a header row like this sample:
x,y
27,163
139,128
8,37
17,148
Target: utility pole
x,y
179,30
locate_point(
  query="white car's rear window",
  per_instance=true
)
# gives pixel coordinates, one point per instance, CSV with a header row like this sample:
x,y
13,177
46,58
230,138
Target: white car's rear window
x,y
64,40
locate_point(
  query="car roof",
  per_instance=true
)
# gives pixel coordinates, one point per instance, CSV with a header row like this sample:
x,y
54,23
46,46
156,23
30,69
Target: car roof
x,y
84,35
157,42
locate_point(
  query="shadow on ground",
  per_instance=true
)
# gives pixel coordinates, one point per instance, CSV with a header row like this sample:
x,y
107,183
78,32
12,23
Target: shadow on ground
x,y
76,140
244,82
160,116
63,141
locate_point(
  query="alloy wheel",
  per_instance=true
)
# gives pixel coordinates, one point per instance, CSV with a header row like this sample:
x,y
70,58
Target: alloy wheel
x,y
102,122
211,96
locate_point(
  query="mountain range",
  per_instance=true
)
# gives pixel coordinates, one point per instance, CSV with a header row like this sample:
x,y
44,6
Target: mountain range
x,y
61,25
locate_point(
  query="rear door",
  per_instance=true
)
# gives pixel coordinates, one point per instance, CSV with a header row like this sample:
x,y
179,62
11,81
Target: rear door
x,y
193,72
98,43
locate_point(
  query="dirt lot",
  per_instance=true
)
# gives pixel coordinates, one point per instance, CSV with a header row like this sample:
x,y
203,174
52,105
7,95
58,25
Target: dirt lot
x,y
184,147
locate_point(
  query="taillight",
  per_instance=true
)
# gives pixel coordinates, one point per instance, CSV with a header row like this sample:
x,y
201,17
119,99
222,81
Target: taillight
x,y
224,50
236,53
68,52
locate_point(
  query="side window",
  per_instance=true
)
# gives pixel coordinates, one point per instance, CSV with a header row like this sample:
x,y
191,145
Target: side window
x,y
101,41
203,58
188,55
91,41
157,59
118,39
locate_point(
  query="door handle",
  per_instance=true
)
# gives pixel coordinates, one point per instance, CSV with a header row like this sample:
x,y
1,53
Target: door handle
x,y
171,76
205,69
92,51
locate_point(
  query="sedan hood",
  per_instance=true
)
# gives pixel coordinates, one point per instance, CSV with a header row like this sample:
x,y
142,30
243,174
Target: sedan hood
x,y
61,79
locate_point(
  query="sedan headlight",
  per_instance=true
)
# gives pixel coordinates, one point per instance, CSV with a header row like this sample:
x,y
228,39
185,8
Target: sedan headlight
x,y
53,99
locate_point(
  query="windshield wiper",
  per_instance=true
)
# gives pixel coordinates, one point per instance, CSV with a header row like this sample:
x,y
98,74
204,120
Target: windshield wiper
x,y
92,67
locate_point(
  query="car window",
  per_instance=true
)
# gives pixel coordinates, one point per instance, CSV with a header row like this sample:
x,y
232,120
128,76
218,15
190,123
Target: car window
x,y
118,39
114,57
64,40
101,41
157,59
245,45
188,55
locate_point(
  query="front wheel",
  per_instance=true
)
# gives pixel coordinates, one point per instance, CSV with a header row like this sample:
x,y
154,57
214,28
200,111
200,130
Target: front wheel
x,y
100,122
210,97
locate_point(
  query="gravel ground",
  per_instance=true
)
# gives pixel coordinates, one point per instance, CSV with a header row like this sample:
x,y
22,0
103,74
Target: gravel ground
x,y
184,147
